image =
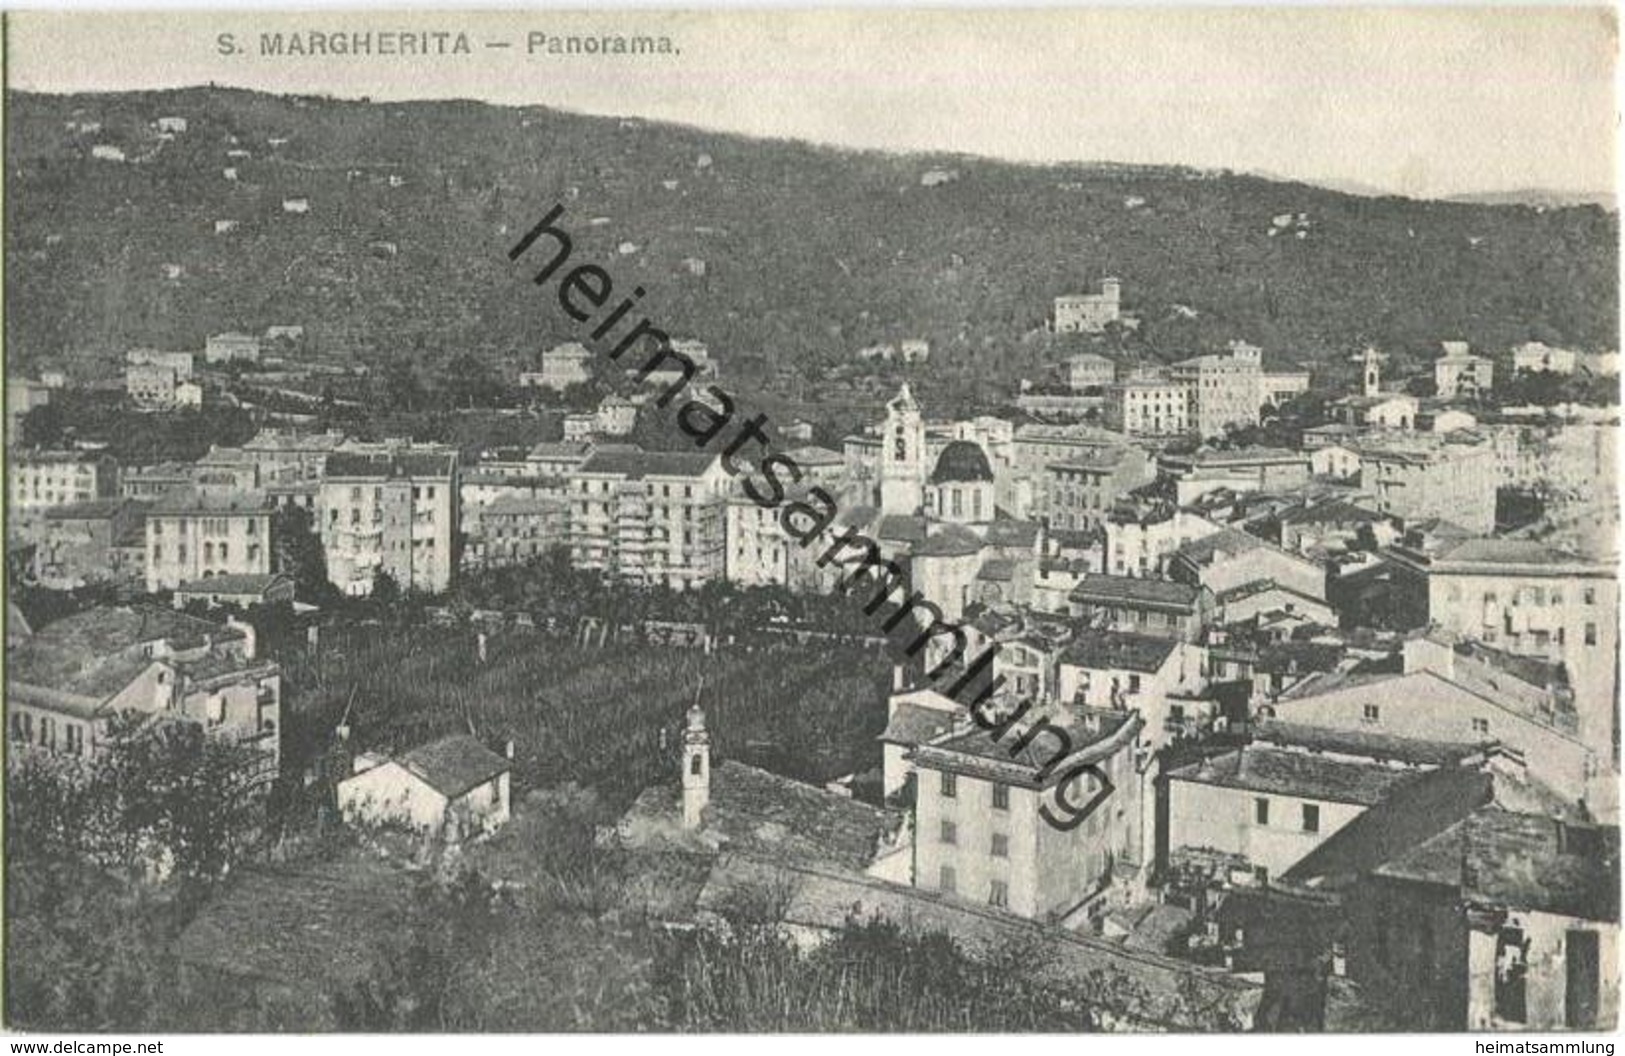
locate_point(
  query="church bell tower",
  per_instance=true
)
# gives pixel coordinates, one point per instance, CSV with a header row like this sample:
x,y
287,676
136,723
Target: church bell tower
x,y
902,456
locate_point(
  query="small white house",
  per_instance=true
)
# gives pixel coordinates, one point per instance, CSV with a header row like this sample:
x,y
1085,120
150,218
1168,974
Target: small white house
x,y
296,205
176,125
222,227
188,394
454,787
107,152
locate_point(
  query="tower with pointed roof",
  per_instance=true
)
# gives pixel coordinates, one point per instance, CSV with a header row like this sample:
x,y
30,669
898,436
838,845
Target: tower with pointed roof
x,y
902,456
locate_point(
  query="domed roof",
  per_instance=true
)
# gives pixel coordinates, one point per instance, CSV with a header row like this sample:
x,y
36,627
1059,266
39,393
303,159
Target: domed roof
x,y
962,462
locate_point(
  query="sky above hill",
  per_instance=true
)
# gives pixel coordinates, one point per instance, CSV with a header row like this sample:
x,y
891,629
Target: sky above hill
x,y
1425,102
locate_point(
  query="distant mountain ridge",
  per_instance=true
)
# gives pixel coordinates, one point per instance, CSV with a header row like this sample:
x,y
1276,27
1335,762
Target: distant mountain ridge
x,y
784,257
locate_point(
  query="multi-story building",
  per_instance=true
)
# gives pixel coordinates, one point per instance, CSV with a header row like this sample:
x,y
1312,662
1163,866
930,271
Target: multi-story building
x,y
42,479
1416,477
1148,407
67,682
393,511
650,516
1528,599
1080,493
980,827
1457,372
1461,694
194,534
1089,313
148,482
1224,390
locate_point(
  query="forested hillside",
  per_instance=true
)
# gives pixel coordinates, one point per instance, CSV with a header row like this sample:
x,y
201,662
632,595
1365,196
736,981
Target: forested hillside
x,y
809,253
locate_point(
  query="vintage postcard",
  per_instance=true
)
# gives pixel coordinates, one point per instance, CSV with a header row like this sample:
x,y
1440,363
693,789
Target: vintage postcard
x,y
886,520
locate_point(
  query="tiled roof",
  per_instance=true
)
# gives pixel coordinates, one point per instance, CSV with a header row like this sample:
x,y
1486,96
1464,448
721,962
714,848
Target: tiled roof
x,y
455,764
1010,532
901,527
1334,511
1287,773
816,456
1228,541
1522,861
390,466
1128,590
1377,746
636,464
1113,650
94,653
997,570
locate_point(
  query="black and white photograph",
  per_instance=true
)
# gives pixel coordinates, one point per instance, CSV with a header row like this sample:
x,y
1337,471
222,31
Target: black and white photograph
x,y
884,521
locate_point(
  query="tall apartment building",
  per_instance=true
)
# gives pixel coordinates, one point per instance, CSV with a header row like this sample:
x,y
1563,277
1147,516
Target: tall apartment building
x,y
1223,389
1526,598
1418,476
393,511
655,517
1148,407
195,534
67,683
980,832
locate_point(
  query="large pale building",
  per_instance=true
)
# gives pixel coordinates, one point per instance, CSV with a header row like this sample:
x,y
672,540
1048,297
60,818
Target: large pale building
x,y
392,511
1148,407
193,534
1224,389
1420,476
1460,373
562,367
1089,313
655,517
1080,493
